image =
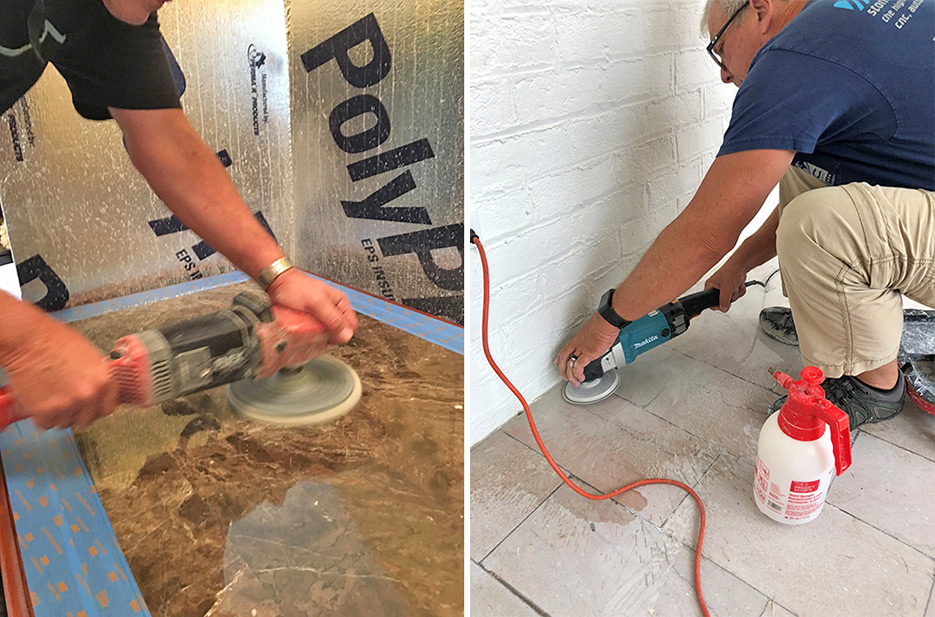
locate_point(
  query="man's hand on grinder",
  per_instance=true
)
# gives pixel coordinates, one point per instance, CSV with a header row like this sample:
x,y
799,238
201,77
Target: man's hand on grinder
x,y
296,290
594,338
730,279
59,378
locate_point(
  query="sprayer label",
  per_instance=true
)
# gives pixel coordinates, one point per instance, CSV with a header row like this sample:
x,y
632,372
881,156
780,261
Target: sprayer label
x,y
804,505
804,487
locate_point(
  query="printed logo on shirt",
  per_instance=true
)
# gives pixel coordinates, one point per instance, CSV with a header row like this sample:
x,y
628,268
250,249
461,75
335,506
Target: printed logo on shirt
x,y
851,5
895,12
822,174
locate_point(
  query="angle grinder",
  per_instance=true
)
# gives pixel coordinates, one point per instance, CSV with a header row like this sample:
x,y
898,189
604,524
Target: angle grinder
x,y
269,356
638,337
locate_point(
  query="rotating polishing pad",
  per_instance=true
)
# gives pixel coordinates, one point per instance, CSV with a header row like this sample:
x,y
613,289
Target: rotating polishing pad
x,y
321,391
592,391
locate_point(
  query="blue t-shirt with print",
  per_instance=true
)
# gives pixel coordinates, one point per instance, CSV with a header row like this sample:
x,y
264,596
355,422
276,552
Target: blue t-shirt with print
x,y
850,86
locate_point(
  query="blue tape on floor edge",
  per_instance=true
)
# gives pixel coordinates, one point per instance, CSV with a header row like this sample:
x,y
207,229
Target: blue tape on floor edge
x,y
442,333
72,560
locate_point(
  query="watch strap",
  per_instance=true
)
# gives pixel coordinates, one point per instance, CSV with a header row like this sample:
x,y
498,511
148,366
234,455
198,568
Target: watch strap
x,y
606,310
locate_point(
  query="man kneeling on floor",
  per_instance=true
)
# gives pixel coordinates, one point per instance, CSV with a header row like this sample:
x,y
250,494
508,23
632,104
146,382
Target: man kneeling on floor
x,y
837,106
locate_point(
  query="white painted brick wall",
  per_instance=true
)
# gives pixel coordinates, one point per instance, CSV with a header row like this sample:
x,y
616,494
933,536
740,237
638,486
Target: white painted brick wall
x,y
592,124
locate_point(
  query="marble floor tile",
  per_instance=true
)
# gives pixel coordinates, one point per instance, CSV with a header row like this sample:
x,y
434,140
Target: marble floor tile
x,y
834,566
489,597
931,609
891,489
508,482
579,558
913,429
612,443
362,516
715,406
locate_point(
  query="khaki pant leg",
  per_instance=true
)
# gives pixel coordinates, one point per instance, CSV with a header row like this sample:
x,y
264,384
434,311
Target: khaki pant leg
x,y
847,253
794,183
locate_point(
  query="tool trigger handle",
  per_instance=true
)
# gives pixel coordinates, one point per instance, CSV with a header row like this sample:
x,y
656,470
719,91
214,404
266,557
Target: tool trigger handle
x,y
695,303
595,368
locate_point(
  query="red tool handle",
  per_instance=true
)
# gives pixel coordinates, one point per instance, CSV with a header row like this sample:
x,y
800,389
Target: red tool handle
x,y
292,338
6,409
8,414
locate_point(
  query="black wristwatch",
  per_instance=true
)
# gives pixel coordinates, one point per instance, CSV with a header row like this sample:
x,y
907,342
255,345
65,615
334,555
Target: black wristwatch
x,y
607,311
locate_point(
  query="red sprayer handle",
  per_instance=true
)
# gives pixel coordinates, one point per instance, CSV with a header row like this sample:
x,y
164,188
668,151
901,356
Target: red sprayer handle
x,y
840,428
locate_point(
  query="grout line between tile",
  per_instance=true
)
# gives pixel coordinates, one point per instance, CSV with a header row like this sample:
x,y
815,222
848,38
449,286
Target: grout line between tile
x,y
711,561
743,379
901,447
536,451
525,518
868,523
514,591
883,531
694,487
931,605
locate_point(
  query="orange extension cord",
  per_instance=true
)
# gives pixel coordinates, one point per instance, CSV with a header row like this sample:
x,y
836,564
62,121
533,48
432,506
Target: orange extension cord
x,y
548,457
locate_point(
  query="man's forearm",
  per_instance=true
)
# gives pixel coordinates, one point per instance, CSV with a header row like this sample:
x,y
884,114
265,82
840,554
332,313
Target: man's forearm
x,y
675,261
731,193
760,247
187,176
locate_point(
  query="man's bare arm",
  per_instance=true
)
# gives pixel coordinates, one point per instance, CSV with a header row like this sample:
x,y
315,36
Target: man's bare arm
x,y
732,192
56,375
186,174
756,250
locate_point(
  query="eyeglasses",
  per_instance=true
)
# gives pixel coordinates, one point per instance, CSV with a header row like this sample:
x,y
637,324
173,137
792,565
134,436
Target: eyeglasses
x,y
717,37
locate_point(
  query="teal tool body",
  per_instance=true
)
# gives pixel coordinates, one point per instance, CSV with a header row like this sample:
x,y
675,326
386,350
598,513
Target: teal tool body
x,y
638,337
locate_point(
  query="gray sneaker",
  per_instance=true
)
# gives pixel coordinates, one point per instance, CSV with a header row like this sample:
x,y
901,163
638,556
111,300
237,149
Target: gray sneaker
x,y
862,404
776,322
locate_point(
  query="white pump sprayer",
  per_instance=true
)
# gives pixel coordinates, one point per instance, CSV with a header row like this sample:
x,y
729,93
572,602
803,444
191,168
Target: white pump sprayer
x,y
800,449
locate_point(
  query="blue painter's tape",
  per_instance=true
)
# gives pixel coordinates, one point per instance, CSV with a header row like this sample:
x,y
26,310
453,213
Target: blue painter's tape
x,y
442,333
70,554
432,329
87,311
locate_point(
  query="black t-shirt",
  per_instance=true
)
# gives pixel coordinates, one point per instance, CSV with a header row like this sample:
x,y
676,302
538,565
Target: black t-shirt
x,y
106,62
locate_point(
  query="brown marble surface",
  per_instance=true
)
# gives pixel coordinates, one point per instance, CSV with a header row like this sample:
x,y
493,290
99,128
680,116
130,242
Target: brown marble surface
x,y
222,517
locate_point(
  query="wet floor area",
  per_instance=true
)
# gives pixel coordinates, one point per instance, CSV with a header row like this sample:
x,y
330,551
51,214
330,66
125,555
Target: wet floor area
x,y
691,410
222,517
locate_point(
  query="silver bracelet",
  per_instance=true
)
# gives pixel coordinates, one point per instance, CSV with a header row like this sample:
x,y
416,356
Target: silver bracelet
x,y
271,272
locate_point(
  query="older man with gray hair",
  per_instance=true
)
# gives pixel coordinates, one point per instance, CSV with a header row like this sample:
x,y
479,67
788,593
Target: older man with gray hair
x,y
836,105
